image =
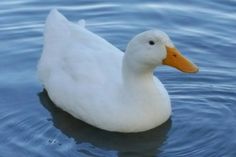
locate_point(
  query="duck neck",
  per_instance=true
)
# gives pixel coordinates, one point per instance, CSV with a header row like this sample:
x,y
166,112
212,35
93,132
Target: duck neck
x,y
136,75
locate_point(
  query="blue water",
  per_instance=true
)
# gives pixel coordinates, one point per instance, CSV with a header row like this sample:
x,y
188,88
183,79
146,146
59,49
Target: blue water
x,y
203,123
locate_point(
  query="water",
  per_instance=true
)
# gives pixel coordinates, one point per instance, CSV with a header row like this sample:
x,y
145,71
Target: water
x,y
203,123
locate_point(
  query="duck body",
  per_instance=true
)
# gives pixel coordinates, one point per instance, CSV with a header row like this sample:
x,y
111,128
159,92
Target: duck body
x,y
92,80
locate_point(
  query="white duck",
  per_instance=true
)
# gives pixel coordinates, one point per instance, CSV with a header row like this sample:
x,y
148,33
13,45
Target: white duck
x,y
95,82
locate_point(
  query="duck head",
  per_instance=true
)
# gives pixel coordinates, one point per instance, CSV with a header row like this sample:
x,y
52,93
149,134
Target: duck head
x,y
154,48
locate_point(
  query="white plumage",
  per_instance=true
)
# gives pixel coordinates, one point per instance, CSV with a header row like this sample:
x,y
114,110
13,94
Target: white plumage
x,y
94,81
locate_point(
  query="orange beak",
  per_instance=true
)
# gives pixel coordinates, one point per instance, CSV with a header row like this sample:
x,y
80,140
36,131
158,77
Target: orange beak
x,y
175,59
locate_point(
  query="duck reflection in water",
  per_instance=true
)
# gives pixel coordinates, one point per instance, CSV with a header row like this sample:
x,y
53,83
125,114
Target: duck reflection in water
x,y
126,144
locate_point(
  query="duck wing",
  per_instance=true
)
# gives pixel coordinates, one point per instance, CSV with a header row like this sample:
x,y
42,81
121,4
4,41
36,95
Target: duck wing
x,y
72,51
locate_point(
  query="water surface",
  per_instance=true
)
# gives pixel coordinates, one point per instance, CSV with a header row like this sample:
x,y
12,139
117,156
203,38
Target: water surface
x,y
203,122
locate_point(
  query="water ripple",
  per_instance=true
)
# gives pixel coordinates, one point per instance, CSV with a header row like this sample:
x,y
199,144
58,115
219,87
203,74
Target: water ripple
x,y
203,120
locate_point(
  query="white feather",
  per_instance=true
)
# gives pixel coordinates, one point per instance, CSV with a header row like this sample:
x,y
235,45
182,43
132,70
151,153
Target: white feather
x,y
83,75
82,23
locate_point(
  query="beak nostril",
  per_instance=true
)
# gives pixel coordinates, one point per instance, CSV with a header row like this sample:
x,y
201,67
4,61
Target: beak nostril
x,y
175,55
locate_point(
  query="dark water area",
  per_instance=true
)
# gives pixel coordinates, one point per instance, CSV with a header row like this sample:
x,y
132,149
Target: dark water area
x,y
203,123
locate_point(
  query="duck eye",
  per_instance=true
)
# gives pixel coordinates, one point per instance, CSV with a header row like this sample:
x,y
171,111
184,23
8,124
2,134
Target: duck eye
x,y
151,42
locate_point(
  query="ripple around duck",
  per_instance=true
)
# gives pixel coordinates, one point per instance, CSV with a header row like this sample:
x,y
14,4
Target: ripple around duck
x,y
203,120
123,143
